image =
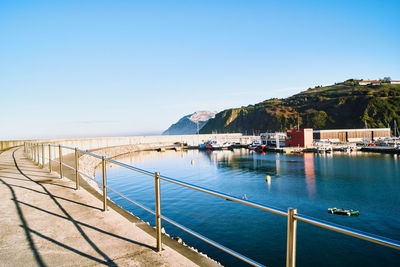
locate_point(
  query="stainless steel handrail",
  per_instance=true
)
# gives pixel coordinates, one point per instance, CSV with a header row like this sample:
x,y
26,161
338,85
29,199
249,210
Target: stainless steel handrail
x,y
294,216
86,152
88,176
349,231
130,200
211,242
66,165
222,195
188,230
130,167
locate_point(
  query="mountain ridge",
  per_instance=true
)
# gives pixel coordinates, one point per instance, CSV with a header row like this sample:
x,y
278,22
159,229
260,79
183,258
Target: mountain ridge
x,y
342,105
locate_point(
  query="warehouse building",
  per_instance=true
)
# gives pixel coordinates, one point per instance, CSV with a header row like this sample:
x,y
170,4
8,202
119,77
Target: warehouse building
x,y
351,135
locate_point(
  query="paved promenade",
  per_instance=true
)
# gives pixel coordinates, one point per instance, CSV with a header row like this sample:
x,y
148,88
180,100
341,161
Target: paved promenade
x,y
46,222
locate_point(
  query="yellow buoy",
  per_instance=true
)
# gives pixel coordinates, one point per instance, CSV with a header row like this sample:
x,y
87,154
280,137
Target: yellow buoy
x,y
192,162
268,179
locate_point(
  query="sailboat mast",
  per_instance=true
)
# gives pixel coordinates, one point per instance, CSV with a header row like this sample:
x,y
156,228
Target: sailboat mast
x,y
298,123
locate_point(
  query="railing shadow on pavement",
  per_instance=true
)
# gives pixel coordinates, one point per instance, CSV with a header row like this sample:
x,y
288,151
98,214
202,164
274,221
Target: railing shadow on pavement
x,y
104,258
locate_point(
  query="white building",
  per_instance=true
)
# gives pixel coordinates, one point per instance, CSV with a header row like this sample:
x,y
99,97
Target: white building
x,y
273,139
369,82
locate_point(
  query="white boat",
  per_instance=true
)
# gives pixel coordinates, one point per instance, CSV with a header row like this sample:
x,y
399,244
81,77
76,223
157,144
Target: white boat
x,y
254,145
226,145
324,147
216,145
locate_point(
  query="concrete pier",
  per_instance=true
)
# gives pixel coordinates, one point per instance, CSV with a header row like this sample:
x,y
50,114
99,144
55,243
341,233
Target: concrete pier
x,y
45,221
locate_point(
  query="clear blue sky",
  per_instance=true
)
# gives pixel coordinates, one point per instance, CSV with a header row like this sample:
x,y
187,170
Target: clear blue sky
x,y
101,68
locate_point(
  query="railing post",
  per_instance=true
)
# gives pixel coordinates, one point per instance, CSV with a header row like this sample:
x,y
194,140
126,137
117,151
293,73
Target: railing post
x,y
50,158
291,238
104,174
42,156
60,158
158,210
37,153
76,168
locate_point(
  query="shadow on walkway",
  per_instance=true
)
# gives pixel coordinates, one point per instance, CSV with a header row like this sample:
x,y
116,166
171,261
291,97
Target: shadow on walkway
x,y
103,257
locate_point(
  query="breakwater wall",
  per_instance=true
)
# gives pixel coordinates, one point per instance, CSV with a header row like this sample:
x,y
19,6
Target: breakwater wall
x,y
97,142
5,144
89,164
93,144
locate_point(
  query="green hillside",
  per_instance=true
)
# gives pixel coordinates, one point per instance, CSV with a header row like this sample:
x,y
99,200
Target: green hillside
x,y
343,105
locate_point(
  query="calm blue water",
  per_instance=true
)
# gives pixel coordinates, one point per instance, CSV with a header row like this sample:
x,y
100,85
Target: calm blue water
x,y
311,183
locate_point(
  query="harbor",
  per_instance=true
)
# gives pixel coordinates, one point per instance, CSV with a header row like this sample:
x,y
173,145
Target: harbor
x,y
378,140
309,181
270,182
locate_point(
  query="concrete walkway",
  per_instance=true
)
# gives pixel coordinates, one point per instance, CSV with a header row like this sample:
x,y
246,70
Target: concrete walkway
x,y
46,222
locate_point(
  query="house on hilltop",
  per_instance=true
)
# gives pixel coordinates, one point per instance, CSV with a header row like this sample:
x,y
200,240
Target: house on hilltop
x,y
378,82
369,83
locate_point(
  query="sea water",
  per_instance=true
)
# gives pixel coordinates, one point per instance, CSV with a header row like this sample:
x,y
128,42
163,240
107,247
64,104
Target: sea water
x,y
312,183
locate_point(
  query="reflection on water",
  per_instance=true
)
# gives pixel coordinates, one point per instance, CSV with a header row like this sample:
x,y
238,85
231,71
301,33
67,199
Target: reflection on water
x,y
309,172
278,163
310,182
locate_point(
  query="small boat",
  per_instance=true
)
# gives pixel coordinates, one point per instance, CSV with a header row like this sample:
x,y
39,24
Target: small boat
x,y
254,145
226,145
349,212
202,146
215,145
209,145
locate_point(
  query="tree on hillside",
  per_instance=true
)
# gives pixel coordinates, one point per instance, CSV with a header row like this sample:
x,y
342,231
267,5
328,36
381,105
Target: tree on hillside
x,y
386,79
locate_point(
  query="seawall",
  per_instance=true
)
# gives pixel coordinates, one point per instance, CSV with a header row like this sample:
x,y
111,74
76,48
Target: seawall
x,y
91,144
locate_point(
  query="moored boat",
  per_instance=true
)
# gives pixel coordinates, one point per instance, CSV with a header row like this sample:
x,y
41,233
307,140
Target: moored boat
x,y
349,212
254,145
226,145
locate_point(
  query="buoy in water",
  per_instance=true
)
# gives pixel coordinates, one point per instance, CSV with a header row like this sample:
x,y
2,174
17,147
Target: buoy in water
x,y
192,162
268,179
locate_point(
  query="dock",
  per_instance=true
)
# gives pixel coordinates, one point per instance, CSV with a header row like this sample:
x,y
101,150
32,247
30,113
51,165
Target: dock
x,y
45,221
381,149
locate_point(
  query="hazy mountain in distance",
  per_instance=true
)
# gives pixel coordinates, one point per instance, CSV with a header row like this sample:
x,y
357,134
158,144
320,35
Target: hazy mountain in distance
x,y
191,123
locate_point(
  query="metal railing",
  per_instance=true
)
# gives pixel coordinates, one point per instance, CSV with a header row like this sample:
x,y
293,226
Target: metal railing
x,y
33,152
